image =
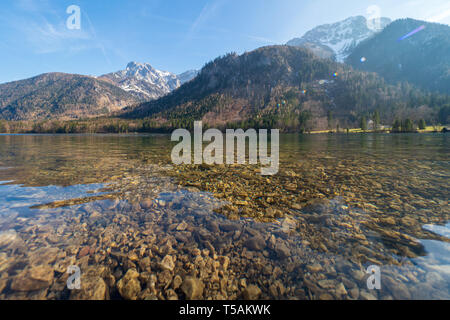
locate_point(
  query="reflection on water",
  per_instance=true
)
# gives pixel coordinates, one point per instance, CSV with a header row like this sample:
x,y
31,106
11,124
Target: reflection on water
x,y
438,254
21,200
442,230
142,229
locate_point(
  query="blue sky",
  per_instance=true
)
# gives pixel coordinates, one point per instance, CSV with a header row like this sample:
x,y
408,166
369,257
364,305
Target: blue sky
x,y
172,35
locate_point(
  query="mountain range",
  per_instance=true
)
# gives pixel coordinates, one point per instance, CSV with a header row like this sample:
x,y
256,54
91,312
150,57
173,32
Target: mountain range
x,y
147,83
285,87
70,96
337,40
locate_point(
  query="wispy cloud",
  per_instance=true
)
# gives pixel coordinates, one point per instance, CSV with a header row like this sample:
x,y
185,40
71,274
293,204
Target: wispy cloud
x,y
46,37
99,43
208,12
43,28
32,5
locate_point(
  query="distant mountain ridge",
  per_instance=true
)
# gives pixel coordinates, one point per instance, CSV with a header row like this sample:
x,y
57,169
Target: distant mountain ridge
x,y
337,40
70,96
147,83
60,96
422,58
187,76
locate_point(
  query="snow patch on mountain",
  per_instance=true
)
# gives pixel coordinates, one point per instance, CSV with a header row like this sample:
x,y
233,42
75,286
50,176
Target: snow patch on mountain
x,y
341,37
147,83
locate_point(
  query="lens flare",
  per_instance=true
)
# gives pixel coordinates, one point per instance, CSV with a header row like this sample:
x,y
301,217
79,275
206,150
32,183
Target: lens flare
x,y
412,33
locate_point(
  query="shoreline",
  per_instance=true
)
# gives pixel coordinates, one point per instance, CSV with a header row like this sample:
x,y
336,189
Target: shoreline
x,y
351,131
24,129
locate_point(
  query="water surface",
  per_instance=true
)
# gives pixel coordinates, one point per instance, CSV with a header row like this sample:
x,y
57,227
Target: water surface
x,y
138,227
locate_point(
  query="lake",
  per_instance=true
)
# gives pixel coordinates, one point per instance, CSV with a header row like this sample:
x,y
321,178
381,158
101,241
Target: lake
x,y
138,227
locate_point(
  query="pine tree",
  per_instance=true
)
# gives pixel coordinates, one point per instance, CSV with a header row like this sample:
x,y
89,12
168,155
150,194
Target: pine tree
x,y
422,124
376,120
396,127
444,115
363,124
407,126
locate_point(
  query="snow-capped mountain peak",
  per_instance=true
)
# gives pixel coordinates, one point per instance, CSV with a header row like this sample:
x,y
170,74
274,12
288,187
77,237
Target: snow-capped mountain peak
x,y
340,37
146,82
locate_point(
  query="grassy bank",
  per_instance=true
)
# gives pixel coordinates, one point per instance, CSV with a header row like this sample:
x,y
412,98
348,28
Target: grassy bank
x,y
428,129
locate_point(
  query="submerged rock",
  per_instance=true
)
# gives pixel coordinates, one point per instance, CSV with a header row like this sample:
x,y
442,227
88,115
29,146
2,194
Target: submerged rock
x,y
317,206
252,292
93,284
193,288
33,279
177,282
83,252
282,250
3,284
92,288
398,290
167,263
8,237
255,243
43,256
129,286
314,268
4,261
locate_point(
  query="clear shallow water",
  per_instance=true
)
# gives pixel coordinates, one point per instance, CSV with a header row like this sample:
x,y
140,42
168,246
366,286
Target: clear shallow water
x,y
438,252
112,204
20,200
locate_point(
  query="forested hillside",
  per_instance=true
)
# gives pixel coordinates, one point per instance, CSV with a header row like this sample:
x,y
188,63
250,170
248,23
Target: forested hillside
x,y
287,88
60,96
408,50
